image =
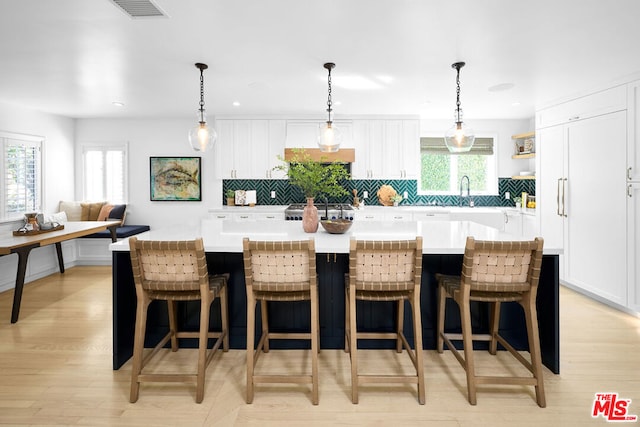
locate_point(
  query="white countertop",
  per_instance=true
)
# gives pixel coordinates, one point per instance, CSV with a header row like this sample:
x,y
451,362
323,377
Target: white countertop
x,y
439,237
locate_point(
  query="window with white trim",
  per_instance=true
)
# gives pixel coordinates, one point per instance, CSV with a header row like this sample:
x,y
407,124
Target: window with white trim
x,y
104,171
20,175
441,171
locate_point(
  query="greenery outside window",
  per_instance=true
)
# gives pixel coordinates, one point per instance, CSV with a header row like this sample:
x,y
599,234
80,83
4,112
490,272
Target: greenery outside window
x,y
441,171
104,169
20,175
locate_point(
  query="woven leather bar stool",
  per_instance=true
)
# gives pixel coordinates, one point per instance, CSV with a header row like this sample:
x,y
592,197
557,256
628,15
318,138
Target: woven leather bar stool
x,y
175,271
494,272
385,271
280,271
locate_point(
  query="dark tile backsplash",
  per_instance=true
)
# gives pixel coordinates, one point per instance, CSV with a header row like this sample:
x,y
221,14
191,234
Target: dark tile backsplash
x,y
286,194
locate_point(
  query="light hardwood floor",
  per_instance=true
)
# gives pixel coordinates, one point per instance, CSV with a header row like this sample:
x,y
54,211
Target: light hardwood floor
x,y
55,368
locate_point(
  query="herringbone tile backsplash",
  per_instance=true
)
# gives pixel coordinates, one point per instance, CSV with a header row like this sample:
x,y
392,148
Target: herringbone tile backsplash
x,y
286,194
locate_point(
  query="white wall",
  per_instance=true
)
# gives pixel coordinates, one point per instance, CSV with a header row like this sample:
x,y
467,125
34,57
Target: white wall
x,y
153,137
503,129
58,179
58,131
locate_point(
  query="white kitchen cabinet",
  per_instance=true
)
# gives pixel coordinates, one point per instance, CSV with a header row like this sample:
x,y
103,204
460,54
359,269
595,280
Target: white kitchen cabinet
x,y
254,216
386,149
304,133
430,215
596,104
582,209
550,185
362,215
247,214
398,216
633,244
248,149
633,196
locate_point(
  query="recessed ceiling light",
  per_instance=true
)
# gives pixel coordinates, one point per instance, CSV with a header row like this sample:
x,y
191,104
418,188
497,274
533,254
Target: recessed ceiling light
x,y
118,103
501,87
236,104
337,103
515,104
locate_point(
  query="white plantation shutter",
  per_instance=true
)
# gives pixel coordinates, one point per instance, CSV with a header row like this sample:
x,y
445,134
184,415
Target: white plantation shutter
x,y
21,174
104,170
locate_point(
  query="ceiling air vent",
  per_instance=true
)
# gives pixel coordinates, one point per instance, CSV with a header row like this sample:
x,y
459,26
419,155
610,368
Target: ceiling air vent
x,y
139,8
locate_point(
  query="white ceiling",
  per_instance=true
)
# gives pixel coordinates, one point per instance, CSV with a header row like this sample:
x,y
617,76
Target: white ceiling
x,y
75,57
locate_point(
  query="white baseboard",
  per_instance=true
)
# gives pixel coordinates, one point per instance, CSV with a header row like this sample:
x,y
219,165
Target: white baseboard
x,y
600,299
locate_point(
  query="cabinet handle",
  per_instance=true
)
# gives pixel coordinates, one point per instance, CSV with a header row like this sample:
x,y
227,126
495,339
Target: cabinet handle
x,y
564,191
244,216
506,218
629,193
574,118
221,216
629,173
270,217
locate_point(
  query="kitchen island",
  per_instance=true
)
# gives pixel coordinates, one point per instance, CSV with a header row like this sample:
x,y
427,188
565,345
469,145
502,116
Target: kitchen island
x,y
443,246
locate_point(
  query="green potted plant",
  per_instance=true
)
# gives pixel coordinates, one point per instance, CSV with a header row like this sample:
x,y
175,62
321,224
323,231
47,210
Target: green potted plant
x,y
396,199
314,179
231,197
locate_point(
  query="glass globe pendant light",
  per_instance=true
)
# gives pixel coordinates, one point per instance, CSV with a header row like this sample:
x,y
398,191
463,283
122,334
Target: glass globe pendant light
x,y
459,138
329,136
202,136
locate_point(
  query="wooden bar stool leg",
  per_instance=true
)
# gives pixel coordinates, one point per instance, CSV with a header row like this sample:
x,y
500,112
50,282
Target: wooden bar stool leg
x,y
138,346
417,343
400,325
315,343
531,316
251,330
442,302
224,314
467,339
347,323
173,324
203,339
353,345
265,324
494,327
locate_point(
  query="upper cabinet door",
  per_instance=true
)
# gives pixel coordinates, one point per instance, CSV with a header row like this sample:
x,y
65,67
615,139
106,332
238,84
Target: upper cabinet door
x,y
277,136
597,104
249,149
633,138
386,149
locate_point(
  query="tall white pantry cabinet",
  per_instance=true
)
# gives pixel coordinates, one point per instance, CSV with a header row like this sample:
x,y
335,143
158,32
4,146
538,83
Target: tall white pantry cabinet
x,y
586,202
633,195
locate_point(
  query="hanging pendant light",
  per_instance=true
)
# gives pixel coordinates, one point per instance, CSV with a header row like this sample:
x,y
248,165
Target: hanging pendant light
x,y
329,136
459,138
202,136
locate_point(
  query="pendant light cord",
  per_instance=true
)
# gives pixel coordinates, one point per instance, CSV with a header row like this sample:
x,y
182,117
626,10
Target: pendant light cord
x,y
458,94
201,96
329,103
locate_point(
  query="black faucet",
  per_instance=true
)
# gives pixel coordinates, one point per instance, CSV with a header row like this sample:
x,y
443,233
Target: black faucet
x,y
326,208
